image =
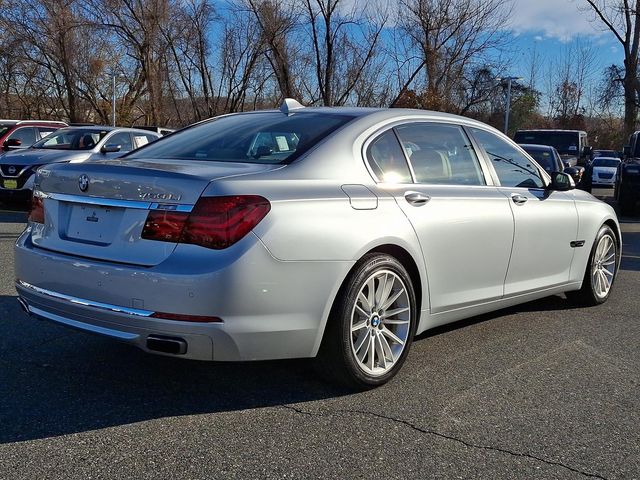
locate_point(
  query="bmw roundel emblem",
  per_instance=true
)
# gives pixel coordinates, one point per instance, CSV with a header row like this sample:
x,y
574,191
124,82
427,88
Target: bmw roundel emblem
x,y
83,182
11,170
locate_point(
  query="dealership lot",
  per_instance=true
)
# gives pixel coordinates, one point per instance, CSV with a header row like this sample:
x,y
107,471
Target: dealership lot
x,y
543,390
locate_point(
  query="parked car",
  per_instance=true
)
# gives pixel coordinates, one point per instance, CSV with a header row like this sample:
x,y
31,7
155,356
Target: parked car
x,y
339,233
606,153
71,144
627,186
549,159
573,145
19,134
604,171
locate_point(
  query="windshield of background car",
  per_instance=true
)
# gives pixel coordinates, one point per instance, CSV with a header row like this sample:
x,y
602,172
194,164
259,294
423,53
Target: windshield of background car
x,y
71,139
606,162
268,138
566,143
544,159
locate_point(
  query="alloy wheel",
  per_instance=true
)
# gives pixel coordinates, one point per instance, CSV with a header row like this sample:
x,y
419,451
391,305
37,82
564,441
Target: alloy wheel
x,y
380,322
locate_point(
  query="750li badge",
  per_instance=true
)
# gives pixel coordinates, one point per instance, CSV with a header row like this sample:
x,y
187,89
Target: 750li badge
x,y
160,196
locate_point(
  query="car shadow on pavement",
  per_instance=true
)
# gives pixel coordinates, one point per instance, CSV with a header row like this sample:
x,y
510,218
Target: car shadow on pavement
x,y
57,381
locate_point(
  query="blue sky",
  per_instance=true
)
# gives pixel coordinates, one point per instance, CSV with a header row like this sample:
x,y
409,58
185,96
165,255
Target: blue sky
x,y
549,26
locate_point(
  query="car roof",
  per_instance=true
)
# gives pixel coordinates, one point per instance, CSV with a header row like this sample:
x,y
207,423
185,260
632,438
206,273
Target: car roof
x,y
8,123
606,158
106,128
380,114
532,146
555,130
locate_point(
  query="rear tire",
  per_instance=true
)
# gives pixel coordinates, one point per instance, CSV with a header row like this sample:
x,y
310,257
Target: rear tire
x,y
601,270
371,326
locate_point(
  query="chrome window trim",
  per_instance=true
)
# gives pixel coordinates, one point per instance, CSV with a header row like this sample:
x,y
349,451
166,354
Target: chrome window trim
x,y
112,202
83,302
489,180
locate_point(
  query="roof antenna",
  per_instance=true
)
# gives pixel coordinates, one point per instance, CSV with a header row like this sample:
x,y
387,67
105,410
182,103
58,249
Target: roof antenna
x,y
290,104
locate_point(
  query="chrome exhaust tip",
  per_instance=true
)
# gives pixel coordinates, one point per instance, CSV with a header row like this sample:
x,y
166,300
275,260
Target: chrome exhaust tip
x,y
170,345
24,305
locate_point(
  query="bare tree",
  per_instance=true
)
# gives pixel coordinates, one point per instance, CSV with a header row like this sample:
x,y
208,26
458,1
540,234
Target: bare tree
x,y
343,44
449,37
277,23
622,18
568,78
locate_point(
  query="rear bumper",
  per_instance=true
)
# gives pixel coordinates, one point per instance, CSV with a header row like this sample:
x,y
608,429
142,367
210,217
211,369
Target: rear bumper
x,y
120,323
270,309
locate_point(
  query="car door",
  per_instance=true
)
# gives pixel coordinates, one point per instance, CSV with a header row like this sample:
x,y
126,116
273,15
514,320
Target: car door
x,y
546,221
464,226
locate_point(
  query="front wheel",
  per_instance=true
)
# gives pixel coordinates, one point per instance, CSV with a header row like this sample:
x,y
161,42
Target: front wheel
x,y
371,326
601,270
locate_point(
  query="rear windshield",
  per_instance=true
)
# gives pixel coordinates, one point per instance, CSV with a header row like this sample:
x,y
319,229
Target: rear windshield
x,y
268,138
606,162
544,158
566,143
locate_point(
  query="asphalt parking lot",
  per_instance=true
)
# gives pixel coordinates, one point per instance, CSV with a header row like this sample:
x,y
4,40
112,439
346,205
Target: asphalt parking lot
x,y
543,390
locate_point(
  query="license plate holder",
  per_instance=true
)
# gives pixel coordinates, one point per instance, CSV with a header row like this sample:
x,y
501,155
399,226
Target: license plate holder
x,y
93,223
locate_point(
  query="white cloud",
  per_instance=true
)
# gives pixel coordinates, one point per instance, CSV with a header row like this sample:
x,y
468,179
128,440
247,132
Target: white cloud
x,y
560,19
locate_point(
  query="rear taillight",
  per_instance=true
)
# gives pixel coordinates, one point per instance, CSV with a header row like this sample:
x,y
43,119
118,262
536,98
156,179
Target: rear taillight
x,y
36,214
214,222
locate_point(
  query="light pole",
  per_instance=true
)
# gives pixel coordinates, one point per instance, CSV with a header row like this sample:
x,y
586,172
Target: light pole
x,y
507,109
113,95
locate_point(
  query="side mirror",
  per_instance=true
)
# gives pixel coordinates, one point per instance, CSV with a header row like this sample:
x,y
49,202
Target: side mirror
x,y
11,144
111,148
561,181
626,151
575,173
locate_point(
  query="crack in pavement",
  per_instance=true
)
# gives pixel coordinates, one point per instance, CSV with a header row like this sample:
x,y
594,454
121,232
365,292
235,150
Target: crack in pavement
x,y
446,437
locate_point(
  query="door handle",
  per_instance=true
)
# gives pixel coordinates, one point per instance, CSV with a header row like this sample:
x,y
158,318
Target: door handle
x,y
518,199
416,199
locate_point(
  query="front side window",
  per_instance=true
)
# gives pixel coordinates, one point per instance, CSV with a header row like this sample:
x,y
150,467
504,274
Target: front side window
x,y
27,136
387,161
440,154
264,137
512,167
121,138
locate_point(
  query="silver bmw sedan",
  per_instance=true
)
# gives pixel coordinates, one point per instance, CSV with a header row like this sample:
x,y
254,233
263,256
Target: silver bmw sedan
x,y
336,233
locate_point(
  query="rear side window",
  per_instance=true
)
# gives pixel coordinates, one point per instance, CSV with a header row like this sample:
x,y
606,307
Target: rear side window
x,y
265,137
387,161
512,167
46,131
440,154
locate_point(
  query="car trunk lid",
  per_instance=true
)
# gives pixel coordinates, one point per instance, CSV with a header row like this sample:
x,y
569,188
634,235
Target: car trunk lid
x,y
97,210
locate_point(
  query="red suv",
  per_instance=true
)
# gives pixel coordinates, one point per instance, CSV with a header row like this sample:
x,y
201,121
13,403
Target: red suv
x,y
15,134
